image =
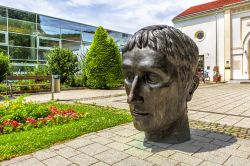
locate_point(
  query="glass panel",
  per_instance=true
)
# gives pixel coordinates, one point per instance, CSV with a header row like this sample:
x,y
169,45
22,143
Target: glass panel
x,y
71,34
23,53
23,68
3,23
2,38
70,25
4,49
71,45
88,28
48,43
21,15
2,12
48,31
22,40
87,37
22,26
48,21
42,54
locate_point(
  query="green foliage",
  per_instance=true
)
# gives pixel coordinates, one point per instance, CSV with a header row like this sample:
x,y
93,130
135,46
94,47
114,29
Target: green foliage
x,y
4,63
41,70
62,61
98,118
103,62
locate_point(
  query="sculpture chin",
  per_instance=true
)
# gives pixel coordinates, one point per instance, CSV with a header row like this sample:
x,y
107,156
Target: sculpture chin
x,y
176,132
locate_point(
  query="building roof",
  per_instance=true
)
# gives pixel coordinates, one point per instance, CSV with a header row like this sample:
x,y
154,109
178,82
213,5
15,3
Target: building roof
x,y
207,6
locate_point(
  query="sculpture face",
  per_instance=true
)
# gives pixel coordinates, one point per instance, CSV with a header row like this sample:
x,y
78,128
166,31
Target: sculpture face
x,y
155,96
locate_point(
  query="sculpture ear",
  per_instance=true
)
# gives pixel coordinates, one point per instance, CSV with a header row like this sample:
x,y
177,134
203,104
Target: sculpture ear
x,y
194,86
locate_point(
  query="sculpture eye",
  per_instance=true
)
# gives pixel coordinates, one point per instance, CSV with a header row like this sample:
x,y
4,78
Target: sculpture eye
x,y
130,77
152,78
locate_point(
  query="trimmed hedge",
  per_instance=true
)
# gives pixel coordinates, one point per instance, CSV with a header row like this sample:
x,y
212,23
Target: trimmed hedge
x,y
103,62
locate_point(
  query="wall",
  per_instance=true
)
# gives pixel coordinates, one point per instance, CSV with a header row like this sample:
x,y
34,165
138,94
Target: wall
x,y
207,47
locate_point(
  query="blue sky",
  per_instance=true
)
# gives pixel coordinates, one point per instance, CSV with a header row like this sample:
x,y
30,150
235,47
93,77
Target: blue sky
x,y
121,15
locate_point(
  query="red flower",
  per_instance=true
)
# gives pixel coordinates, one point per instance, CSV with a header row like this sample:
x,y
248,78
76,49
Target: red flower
x,y
13,123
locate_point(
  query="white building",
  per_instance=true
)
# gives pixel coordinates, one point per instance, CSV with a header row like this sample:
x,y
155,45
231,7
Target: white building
x,y
221,30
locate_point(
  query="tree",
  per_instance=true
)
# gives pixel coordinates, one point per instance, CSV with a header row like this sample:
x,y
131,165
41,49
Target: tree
x,y
103,62
63,62
5,65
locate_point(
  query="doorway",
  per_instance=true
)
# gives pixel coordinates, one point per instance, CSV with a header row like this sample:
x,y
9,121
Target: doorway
x,y
237,71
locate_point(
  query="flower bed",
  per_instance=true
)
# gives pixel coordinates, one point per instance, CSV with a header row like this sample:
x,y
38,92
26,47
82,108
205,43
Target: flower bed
x,y
17,115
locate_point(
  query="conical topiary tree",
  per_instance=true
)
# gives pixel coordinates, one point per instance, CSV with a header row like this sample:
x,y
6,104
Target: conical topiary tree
x,y
103,62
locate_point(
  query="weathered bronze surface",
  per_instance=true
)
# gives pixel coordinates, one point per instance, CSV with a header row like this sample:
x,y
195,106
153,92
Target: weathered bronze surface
x,y
159,63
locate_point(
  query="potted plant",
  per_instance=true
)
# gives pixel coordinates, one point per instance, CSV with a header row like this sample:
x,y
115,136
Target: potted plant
x,y
217,75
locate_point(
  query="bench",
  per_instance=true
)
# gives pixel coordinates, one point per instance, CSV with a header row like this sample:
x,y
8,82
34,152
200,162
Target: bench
x,y
12,81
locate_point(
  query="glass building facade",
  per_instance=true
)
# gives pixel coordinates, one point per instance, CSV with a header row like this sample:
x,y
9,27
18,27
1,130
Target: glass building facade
x,y
26,37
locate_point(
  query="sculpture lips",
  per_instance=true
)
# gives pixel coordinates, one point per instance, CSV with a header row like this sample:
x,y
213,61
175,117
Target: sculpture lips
x,y
140,114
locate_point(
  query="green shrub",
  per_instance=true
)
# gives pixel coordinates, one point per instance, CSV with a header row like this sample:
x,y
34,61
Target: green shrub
x,y
4,63
41,70
62,61
103,62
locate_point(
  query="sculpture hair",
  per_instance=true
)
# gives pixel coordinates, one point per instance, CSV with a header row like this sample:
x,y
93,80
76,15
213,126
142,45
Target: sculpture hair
x,y
177,48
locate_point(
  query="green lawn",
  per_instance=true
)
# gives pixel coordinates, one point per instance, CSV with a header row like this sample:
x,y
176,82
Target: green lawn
x,y
96,118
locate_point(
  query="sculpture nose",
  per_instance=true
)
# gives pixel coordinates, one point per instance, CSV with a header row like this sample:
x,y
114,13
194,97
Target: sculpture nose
x,y
134,97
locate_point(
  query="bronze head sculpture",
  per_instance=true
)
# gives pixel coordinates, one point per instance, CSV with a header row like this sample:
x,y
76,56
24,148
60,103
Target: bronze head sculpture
x,y
159,64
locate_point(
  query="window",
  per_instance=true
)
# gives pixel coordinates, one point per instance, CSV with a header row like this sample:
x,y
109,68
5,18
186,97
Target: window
x,y
71,34
42,54
21,15
48,21
22,40
48,42
22,26
2,37
48,31
71,45
23,54
3,23
199,35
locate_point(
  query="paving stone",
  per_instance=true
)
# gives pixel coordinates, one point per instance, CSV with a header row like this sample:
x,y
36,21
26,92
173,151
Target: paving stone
x,y
90,136
159,144
111,156
139,144
100,164
205,145
234,152
237,161
187,159
245,122
93,149
198,115
222,137
57,160
185,148
198,132
126,132
212,118
229,120
78,143
102,140
208,163
142,154
67,152
15,160
166,153
245,148
121,139
118,146
30,161
83,160
159,160
225,144
133,161
105,134
44,154
201,139
139,137
58,146
213,156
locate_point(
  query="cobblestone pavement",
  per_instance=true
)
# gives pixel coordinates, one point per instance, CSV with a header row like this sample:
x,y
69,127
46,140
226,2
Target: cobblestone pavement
x,y
227,104
125,146
223,105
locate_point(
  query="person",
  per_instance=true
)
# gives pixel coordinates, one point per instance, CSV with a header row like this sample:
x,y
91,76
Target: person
x,y
159,63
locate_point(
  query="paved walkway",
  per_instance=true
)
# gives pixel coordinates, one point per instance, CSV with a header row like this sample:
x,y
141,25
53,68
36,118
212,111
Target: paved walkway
x,y
123,145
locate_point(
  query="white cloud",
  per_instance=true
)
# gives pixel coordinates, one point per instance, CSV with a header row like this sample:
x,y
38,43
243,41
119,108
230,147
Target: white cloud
x,y
122,15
